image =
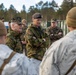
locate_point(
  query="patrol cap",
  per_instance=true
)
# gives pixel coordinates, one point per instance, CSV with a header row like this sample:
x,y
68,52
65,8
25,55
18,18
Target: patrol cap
x,y
17,20
53,20
3,30
37,16
71,17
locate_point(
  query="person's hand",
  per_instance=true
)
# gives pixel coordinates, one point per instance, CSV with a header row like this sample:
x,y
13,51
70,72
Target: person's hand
x,y
51,35
59,33
23,42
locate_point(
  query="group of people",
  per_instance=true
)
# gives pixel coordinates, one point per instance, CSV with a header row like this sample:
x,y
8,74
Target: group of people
x,y
46,52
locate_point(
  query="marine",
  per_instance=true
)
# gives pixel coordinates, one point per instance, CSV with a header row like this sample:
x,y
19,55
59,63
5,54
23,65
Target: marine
x,y
54,31
36,39
24,27
13,37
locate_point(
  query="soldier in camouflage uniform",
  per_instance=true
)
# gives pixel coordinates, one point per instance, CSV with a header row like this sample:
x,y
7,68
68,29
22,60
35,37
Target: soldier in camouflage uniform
x,y
36,40
54,31
13,38
24,27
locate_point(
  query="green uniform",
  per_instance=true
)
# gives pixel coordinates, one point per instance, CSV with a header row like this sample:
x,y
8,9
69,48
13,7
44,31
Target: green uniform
x,y
14,41
23,39
37,42
54,33
23,33
9,29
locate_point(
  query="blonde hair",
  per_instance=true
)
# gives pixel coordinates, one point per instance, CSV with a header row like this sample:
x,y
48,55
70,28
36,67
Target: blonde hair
x,y
24,21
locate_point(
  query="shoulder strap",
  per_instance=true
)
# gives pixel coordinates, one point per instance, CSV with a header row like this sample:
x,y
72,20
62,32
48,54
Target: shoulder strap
x,y
73,65
6,61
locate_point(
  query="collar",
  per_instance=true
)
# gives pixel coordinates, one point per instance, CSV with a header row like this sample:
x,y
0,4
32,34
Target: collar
x,y
15,33
35,26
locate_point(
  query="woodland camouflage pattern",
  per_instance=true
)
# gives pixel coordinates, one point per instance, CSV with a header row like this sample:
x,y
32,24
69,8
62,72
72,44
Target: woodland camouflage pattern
x,y
23,33
53,33
14,41
37,42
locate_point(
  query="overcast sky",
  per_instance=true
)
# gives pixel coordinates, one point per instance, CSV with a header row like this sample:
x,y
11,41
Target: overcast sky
x,y
19,3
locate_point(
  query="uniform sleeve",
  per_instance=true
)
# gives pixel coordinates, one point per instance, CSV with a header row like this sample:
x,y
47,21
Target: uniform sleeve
x,y
60,34
49,64
10,42
47,40
47,31
31,38
57,35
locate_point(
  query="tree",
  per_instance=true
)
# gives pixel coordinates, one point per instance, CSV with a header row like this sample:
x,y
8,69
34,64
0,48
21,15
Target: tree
x,y
12,12
71,3
2,8
24,8
54,4
65,7
39,4
59,14
23,13
50,11
45,5
6,15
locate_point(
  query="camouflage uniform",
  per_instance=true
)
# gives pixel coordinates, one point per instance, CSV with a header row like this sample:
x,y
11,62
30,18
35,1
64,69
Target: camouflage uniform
x,y
53,33
14,41
37,42
23,33
23,39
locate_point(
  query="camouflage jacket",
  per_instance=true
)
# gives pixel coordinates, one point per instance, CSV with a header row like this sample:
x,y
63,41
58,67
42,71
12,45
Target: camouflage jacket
x,y
23,33
54,33
14,41
36,42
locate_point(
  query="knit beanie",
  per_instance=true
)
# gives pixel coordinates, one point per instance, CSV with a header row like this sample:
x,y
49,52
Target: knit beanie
x,y
71,17
3,30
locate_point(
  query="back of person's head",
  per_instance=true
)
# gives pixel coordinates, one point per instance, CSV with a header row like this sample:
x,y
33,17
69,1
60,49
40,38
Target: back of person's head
x,y
23,20
3,30
71,18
